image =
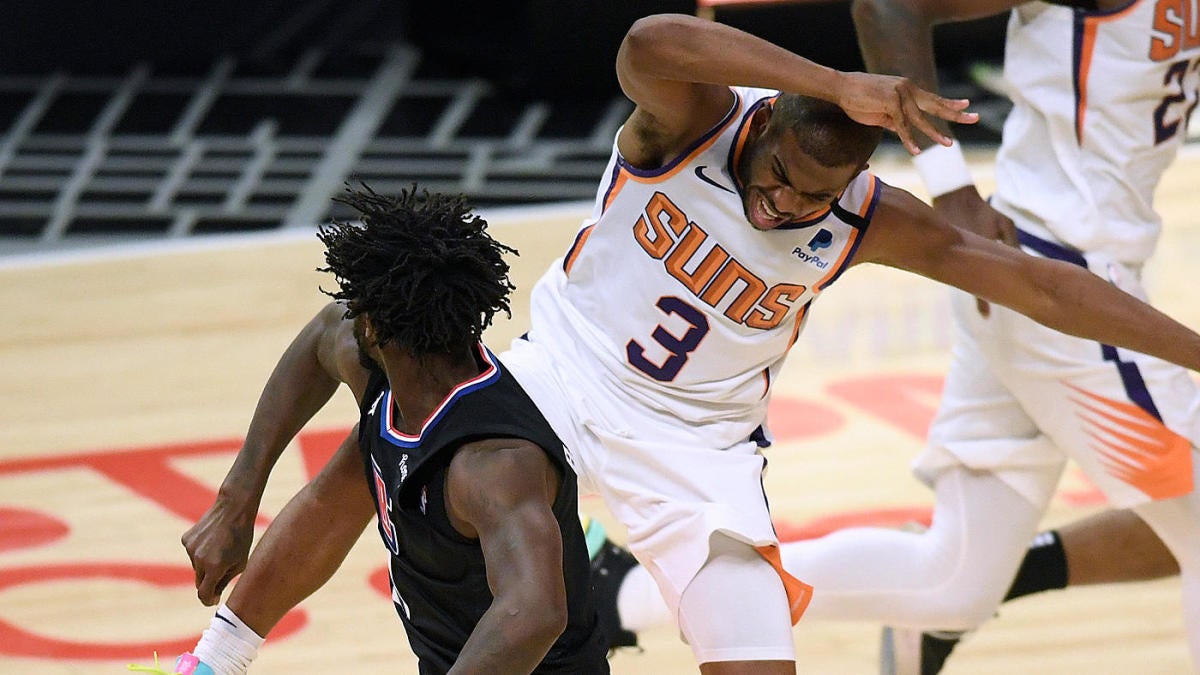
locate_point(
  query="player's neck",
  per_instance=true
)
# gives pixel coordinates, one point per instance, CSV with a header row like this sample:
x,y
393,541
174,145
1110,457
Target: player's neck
x,y
420,384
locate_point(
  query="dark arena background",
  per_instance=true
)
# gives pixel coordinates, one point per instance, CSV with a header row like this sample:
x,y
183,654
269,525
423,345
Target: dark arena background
x,y
134,121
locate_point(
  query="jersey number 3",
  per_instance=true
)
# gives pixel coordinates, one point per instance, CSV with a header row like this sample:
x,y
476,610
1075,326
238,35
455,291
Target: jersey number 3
x,y
679,347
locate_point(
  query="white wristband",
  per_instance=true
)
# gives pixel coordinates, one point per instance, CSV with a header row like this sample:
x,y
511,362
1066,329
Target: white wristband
x,y
943,169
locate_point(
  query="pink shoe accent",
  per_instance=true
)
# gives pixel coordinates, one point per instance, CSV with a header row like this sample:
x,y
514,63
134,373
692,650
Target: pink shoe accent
x,y
186,664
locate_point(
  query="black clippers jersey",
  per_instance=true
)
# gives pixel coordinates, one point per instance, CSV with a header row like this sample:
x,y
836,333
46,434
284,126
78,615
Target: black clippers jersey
x,y
439,583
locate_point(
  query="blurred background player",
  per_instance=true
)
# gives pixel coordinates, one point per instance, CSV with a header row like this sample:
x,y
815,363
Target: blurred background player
x,y
1102,92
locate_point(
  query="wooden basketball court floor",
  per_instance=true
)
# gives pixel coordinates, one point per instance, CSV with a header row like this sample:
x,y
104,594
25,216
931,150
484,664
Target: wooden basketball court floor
x,y
128,376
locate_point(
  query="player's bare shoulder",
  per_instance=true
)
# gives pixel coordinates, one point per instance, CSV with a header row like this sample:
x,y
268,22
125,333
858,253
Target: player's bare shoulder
x,y
339,351
514,470
902,227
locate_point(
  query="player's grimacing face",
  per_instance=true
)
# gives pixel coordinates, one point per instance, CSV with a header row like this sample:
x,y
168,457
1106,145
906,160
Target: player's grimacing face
x,y
783,184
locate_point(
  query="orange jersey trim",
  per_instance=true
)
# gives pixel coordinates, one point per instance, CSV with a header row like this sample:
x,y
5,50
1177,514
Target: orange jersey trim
x,y
1086,28
799,323
618,183
865,207
573,254
834,268
1087,44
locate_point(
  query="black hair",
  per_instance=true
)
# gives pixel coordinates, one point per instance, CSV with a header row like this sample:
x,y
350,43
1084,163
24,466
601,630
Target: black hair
x,y
824,131
422,268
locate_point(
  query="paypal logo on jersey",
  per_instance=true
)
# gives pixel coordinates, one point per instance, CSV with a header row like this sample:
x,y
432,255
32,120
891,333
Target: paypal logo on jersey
x,y
822,239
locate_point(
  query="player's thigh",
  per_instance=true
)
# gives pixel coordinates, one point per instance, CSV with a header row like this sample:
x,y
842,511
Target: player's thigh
x,y
1130,421
980,424
736,608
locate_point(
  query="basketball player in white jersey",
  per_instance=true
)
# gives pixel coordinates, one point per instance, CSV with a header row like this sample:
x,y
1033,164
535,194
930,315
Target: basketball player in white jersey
x,y
656,338
1101,93
726,210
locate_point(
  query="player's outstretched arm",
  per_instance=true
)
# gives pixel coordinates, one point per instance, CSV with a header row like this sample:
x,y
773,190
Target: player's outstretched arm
x,y
293,559
676,69
502,490
321,356
907,234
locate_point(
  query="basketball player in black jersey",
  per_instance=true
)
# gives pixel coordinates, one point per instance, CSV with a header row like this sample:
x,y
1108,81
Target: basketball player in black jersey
x,y
473,496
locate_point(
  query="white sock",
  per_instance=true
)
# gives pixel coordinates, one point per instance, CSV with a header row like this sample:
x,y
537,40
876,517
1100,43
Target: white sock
x,y
228,645
639,604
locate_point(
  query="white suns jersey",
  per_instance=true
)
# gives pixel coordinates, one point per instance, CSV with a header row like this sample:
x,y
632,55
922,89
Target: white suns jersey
x,y
1101,105
671,295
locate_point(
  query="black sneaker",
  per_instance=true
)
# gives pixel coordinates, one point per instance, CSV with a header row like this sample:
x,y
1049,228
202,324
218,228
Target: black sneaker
x,y
908,651
610,564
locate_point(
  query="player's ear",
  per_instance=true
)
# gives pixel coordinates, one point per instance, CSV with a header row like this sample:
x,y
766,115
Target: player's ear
x,y
759,120
368,331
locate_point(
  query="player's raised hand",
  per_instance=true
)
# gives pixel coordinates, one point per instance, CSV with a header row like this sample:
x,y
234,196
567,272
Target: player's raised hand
x,y
898,105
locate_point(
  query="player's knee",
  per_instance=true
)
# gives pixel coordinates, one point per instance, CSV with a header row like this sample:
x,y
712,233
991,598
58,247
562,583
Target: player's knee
x,y
957,595
964,608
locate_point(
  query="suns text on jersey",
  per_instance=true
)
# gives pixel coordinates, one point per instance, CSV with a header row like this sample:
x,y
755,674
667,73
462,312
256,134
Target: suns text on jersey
x,y
666,234
1176,28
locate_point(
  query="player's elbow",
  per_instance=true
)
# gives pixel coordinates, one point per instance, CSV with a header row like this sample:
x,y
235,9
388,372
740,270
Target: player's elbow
x,y
649,39
650,31
540,619
553,604
552,622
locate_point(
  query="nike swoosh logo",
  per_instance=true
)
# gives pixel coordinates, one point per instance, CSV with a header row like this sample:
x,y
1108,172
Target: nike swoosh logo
x,y
700,174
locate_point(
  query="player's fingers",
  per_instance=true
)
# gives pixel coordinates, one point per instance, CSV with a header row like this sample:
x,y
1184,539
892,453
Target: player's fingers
x,y
208,585
949,109
915,115
900,123
205,592
219,589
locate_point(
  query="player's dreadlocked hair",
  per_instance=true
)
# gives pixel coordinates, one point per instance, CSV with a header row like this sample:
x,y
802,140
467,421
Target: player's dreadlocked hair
x,y
422,268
